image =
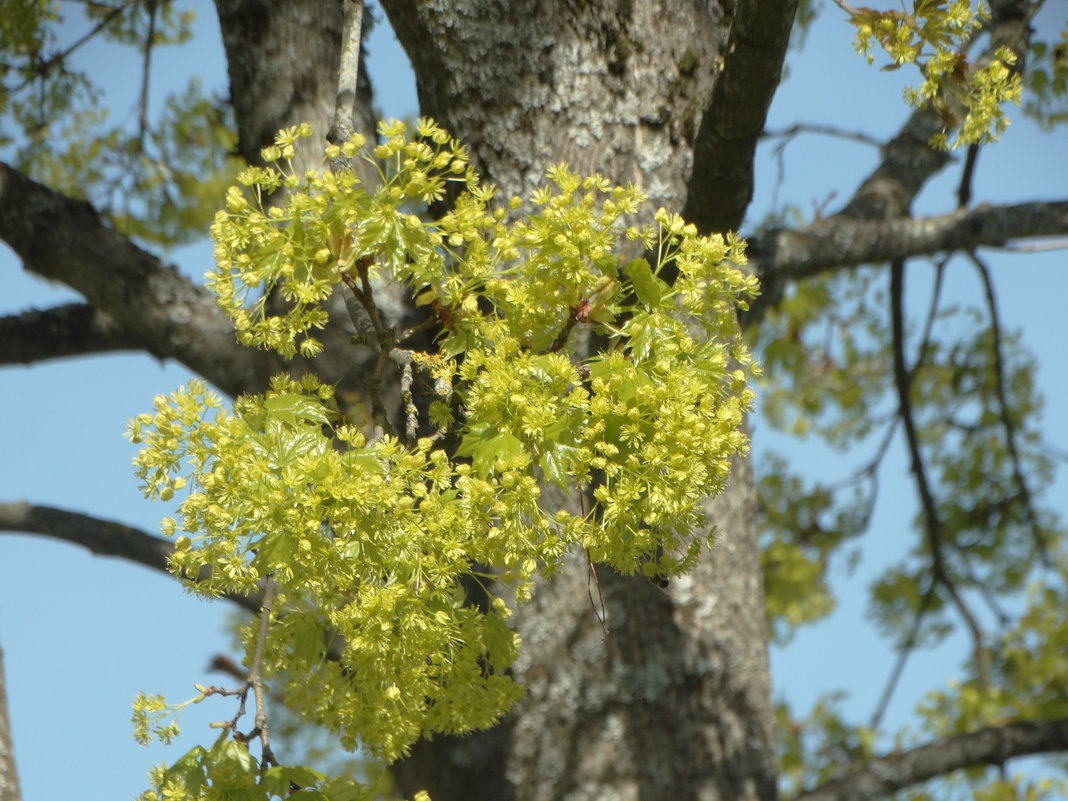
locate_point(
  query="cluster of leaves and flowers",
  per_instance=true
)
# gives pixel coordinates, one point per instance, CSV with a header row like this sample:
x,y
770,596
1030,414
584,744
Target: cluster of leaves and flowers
x,y
934,36
373,540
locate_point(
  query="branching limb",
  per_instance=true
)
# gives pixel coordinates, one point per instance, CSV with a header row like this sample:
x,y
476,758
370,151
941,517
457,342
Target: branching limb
x,y
823,130
880,778
151,303
904,652
76,329
46,66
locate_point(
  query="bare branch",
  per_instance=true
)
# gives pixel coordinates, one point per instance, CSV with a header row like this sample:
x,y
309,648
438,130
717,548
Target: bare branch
x,y
255,676
76,329
100,537
993,745
152,303
721,183
823,130
46,66
837,242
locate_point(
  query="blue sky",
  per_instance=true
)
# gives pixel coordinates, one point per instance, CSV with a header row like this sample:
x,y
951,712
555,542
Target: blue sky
x,y
83,635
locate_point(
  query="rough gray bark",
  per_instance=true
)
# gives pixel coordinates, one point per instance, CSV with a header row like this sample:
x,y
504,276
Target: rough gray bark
x,y
675,703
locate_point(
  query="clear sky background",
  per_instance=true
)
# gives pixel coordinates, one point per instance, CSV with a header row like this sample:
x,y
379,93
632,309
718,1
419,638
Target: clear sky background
x,y
83,635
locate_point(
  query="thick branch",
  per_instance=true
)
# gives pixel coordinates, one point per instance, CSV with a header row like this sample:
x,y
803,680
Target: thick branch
x,y
76,329
990,746
789,255
100,537
721,184
155,305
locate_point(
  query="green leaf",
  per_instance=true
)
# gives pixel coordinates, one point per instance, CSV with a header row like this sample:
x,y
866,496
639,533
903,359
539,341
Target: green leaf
x,y
485,444
296,409
650,290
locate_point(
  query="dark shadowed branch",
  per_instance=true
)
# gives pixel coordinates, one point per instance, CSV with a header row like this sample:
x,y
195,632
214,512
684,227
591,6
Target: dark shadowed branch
x,y
933,525
100,537
76,329
721,184
993,745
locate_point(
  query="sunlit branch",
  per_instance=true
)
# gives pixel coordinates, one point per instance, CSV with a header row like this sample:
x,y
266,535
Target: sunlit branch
x,y
882,777
932,521
341,130
411,414
10,789
1006,416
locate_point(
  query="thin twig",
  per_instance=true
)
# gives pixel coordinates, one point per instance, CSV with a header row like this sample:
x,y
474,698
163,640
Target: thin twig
x,y
1006,416
932,521
146,76
46,66
600,610
823,130
255,675
907,647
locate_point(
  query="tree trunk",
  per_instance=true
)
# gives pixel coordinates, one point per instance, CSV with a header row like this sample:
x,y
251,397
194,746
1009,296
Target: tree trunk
x,y
675,702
